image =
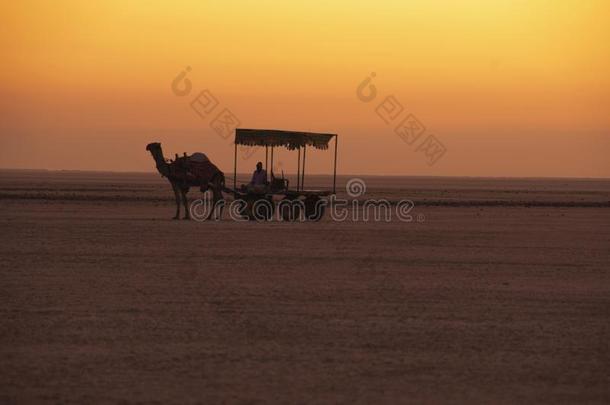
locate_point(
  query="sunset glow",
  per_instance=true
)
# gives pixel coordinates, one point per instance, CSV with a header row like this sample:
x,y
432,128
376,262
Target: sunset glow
x,y
511,88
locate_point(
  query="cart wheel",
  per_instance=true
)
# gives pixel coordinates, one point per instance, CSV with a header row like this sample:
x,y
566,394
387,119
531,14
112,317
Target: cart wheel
x,y
244,209
288,212
313,210
261,209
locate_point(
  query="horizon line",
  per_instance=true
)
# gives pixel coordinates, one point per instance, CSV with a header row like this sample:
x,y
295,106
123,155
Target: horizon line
x,y
316,174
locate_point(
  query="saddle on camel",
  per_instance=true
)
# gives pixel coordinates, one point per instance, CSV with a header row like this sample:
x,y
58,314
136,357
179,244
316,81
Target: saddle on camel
x,y
195,169
185,172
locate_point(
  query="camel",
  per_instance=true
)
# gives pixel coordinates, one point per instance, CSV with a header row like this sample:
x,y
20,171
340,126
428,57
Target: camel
x,y
182,179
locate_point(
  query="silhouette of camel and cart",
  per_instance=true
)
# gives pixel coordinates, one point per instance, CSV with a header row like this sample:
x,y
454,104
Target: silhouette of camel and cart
x,y
257,203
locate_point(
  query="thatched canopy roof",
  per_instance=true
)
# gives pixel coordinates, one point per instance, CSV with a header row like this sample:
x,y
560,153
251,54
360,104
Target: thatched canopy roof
x,y
273,137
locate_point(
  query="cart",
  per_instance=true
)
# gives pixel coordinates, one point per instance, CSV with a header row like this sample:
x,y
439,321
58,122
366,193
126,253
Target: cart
x,y
295,202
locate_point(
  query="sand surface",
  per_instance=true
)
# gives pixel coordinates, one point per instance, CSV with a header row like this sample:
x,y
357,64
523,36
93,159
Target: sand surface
x,y
498,292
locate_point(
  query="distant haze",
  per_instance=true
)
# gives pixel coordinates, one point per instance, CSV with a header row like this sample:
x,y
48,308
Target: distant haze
x,y
511,88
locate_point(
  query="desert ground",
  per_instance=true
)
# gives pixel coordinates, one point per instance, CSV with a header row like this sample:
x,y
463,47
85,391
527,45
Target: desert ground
x,y
497,292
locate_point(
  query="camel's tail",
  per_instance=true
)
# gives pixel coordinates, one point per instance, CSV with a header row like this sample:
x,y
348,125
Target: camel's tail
x,y
221,182
218,181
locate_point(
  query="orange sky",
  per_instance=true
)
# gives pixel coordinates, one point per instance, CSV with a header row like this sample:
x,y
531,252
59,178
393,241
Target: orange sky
x,y
510,88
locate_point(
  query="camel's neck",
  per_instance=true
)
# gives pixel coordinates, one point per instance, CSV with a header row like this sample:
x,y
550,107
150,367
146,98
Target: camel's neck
x,y
162,165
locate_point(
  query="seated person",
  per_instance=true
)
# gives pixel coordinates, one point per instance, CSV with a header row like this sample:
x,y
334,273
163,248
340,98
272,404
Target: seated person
x,y
259,181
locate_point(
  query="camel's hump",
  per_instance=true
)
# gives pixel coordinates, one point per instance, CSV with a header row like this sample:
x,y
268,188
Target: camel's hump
x,y
199,157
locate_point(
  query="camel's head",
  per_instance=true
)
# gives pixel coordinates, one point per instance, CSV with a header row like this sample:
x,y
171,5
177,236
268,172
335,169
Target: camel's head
x,y
155,150
153,146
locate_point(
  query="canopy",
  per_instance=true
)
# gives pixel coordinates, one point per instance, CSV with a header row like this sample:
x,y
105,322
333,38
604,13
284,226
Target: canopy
x,y
274,137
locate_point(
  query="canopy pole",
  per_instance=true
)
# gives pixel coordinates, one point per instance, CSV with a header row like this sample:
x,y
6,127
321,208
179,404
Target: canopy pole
x,y
303,172
335,169
235,168
299,169
267,157
272,160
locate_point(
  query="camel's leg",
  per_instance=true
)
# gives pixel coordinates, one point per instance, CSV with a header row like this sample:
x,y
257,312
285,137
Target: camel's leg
x,y
218,202
220,184
213,205
187,214
177,195
216,197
